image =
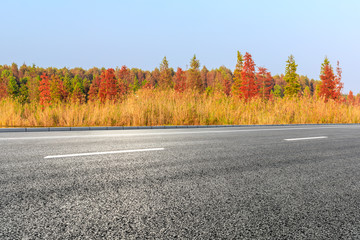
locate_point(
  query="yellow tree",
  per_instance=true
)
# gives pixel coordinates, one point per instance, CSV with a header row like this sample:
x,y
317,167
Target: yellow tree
x,y
237,76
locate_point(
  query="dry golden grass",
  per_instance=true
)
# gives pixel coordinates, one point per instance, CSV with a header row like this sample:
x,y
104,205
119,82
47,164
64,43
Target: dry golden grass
x,y
153,107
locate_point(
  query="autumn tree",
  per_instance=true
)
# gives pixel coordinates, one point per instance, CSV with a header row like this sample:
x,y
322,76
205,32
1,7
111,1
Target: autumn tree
x,y
78,95
94,89
248,88
5,78
351,98
123,89
108,85
307,92
194,76
3,88
357,99
330,86
339,85
325,63
124,74
155,77
165,81
180,80
237,75
224,80
56,89
44,88
67,87
265,82
292,87
23,71
33,84
203,74
146,84
15,70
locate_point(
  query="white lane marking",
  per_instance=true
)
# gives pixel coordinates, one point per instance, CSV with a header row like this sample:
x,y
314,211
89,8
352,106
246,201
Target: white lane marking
x,y
166,133
103,153
307,138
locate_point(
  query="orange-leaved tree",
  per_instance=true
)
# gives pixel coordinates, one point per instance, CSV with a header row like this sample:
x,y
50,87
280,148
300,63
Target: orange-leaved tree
x,y
4,83
350,98
165,81
57,91
194,76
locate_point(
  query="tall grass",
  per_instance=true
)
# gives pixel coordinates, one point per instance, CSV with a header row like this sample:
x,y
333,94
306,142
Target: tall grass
x,y
153,107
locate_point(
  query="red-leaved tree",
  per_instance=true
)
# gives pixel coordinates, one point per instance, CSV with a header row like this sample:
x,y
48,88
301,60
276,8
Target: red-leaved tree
x,y
338,84
3,88
248,88
265,82
108,86
330,86
44,89
94,89
125,75
180,80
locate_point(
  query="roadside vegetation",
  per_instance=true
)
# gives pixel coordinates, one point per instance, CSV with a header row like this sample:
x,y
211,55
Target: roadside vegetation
x,y
31,96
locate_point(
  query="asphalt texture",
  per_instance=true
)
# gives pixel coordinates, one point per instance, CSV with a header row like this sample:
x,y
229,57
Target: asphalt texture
x,y
224,183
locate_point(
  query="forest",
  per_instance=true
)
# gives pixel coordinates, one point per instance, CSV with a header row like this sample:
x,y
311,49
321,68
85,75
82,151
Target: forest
x,y
32,96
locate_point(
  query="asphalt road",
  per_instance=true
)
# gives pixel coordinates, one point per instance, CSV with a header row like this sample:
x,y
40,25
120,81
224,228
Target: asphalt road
x,y
228,183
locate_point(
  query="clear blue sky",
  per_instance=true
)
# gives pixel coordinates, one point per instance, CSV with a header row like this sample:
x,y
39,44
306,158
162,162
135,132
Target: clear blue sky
x,y
140,33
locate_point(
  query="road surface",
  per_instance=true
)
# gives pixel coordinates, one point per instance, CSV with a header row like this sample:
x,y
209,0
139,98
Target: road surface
x,y
270,182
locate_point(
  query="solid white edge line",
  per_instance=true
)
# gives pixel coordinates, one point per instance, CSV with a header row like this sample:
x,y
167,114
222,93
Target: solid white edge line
x,y
167,133
103,153
307,138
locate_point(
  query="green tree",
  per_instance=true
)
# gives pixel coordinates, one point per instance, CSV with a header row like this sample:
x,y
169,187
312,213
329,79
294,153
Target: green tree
x,y
13,87
77,81
278,91
135,86
292,87
23,91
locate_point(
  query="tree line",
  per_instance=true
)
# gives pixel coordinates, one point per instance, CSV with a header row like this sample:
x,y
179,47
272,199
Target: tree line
x,y
47,86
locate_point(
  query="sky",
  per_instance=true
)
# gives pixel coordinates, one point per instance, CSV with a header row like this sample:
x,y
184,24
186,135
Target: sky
x,y
139,33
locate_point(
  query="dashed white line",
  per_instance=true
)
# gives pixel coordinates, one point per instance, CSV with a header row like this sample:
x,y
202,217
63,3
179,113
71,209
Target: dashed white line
x,y
103,153
307,138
